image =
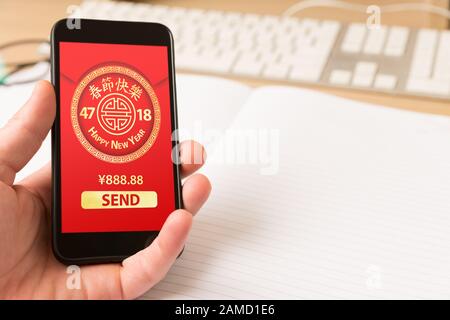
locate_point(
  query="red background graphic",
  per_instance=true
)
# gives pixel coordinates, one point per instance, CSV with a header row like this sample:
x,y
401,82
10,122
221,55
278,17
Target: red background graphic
x,y
80,169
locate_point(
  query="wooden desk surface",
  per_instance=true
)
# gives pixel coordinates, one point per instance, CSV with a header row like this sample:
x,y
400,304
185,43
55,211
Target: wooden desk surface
x,y
20,19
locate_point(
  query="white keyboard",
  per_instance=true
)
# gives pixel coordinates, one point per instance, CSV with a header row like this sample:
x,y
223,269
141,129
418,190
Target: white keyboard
x,y
389,59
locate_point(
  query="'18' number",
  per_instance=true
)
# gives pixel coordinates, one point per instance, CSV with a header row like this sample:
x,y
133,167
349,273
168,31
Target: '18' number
x,y
144,114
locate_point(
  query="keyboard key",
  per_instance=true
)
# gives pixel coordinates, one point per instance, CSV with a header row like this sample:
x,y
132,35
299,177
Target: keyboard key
x,y
248,66
308,25
442,60
366,68
375,41
250,20
422,63
309,64
276,71
305,72
396,42
426,39
364,74
285,27
354,38
362,81
327,35
340,77
428,86
385,81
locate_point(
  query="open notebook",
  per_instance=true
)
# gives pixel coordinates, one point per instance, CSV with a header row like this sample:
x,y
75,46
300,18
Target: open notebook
x,y
354,204
358,208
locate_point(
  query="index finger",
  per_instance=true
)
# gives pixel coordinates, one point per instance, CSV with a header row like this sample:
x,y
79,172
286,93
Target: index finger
x,y
24,133
192,157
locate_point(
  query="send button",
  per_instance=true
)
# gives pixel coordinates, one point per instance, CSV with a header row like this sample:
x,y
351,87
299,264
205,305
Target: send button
x,y
118,199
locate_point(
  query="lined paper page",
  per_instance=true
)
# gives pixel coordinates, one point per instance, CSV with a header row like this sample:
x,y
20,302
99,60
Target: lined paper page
x,y
359,208
206,103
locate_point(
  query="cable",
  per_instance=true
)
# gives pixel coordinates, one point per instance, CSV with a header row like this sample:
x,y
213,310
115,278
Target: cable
x,y
22,41
411,6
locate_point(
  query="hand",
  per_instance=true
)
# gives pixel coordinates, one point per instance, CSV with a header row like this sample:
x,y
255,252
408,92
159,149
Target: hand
x,y
28,268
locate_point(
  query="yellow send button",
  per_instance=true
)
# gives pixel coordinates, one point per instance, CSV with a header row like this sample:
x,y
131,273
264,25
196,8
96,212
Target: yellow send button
x,y
118,199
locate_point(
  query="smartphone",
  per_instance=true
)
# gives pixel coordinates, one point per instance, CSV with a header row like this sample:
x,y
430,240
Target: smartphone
x,y
116,176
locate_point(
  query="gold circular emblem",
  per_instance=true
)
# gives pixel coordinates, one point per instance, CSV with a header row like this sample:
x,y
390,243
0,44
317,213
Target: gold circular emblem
x,y
115,114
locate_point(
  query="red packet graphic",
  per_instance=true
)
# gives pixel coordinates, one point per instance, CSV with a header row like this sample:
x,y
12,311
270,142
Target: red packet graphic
x,y
116,138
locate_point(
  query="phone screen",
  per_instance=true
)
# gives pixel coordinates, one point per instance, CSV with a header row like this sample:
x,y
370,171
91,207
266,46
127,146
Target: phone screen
x,y
115,137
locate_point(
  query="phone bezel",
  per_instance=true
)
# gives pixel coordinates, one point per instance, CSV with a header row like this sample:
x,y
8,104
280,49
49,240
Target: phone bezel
x,y
77,248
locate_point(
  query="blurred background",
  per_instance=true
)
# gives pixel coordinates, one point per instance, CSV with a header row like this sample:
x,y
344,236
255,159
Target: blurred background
x,y
327,45
24,18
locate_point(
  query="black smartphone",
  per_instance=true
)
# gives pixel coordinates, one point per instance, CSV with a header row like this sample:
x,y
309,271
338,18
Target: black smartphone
x,y
116,176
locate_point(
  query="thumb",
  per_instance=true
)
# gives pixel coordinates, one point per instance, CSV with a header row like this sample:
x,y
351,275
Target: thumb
x,y
146,268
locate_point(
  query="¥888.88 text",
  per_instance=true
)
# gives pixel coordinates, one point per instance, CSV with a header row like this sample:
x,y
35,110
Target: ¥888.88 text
x,y
116,179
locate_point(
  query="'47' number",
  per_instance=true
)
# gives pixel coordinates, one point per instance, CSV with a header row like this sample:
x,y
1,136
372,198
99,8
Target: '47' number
x,y
87,112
